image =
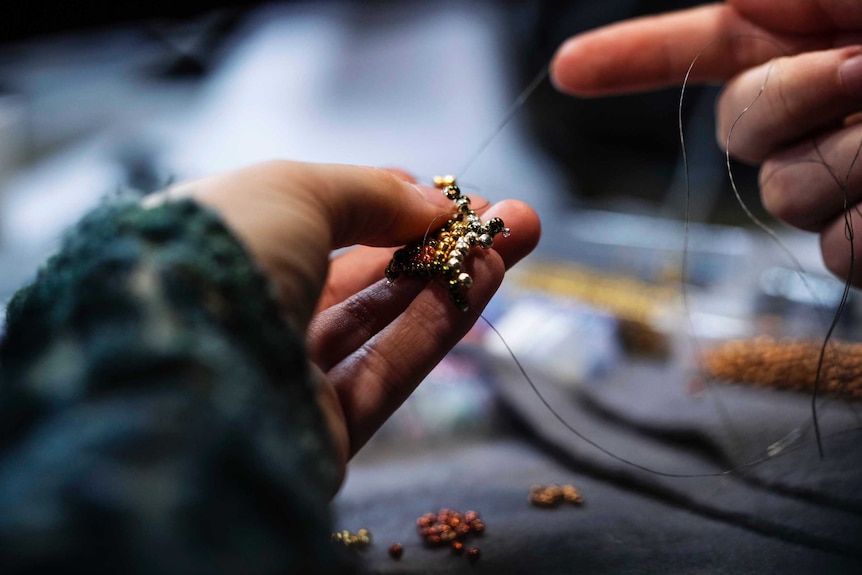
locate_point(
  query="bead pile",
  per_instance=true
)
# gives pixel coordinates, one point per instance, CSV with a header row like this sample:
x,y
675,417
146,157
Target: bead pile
x,y
789,364
444,255
552,495
359,540
449,527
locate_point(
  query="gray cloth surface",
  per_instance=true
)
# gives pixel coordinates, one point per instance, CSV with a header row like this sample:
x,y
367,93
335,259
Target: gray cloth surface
x,y
793,513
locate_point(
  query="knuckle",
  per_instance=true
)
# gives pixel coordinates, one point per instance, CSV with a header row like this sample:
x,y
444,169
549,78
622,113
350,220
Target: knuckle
x,y
790,193
784,98
776,184
391,377
740,140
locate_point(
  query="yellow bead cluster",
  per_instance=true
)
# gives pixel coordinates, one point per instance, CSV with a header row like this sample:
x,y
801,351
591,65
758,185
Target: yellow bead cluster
x,y
359,540
444,254
552,495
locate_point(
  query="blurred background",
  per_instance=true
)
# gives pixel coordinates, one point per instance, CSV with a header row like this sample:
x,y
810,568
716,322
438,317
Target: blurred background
x,y
98,98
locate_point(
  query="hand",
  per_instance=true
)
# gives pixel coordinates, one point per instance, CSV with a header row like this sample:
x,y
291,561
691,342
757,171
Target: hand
x,y
370,343
802,129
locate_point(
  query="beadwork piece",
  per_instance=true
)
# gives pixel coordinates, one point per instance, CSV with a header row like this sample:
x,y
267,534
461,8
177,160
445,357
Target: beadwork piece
x,y
444,254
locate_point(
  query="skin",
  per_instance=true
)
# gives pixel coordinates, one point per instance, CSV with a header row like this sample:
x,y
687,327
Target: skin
x,y
370,344
803,130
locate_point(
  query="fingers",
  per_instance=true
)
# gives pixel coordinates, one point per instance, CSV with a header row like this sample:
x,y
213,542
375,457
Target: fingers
x,y
524,226
290,215
374,380
657,51
352,272
802,16
805,184
378,344
343,205
787,100
799,127
362,266
370,206
355,313
340,330
402,175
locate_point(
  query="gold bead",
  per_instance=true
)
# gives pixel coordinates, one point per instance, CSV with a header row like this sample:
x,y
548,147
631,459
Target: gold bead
x,y
443,181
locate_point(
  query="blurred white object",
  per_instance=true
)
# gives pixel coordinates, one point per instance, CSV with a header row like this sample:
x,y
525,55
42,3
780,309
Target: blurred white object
x,y
13,139
563,340
419,87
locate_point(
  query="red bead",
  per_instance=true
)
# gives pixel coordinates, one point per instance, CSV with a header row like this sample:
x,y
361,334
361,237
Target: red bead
x,y
396,551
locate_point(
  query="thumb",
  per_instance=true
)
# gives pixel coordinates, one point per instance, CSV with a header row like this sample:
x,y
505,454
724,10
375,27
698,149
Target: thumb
x,y
291,215
369,206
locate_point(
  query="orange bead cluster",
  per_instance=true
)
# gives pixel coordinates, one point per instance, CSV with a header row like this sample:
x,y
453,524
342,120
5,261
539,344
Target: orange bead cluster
x,y
449,527
552,495
789,364
444,254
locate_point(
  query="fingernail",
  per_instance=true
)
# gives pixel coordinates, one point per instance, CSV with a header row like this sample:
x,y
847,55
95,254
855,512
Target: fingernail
x,y
850,72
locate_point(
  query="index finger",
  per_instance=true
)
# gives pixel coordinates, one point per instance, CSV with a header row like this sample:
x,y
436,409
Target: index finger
x,y
657,51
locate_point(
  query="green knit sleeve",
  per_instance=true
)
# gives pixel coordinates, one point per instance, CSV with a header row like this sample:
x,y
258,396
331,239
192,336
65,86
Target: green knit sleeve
x,y
156,413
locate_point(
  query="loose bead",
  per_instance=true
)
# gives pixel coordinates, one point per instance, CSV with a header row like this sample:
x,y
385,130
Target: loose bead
x,y
444,181
396,550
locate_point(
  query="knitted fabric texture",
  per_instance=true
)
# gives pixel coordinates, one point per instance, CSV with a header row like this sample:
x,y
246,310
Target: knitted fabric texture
x,y
156,414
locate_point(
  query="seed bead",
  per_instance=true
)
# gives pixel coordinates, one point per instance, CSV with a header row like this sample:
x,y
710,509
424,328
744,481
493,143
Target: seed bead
x,y
396,550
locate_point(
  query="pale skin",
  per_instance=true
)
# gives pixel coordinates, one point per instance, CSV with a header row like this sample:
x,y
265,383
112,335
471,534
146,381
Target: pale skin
x,y
811,52
370,344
